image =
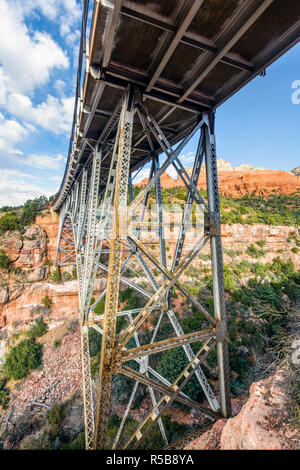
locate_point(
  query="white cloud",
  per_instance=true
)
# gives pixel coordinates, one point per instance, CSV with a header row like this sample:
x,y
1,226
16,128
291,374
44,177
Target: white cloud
x,y
54,114
144,173
42,162
11,132
16,187
66,13
60,86
26,59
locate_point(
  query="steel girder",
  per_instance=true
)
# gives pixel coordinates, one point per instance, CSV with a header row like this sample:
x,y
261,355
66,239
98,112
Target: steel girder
x,y
102,232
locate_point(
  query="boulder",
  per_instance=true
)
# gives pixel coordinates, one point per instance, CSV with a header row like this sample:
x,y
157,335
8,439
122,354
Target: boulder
x,y
4,294
251,429
34,248
16,291
39,274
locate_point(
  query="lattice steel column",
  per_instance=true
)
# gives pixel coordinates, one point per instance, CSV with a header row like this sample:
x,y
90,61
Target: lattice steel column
x,y
217,264
108,350
87,389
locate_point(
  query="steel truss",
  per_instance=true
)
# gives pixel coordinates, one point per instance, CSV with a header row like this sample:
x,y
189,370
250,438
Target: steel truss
x,y
102,228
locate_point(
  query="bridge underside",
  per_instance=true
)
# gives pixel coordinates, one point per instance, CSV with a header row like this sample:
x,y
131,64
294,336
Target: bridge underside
x,y
155,73
185,56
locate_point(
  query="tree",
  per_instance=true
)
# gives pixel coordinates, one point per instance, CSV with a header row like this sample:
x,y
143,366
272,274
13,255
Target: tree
x,y
10,221
172,364
22,358
31,209
39,328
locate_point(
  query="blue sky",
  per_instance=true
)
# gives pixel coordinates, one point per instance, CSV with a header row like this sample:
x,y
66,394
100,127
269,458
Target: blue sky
x,y
38,64
260,124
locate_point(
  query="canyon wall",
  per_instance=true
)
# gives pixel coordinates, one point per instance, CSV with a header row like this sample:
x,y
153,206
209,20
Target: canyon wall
x,y
21,300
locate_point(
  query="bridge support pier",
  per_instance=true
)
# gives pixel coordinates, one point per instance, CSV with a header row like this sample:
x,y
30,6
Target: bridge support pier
x,y
109,235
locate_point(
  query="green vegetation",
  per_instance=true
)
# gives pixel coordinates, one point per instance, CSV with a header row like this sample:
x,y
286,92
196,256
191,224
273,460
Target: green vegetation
x,y
46,301
56,416
39,328
31,209
4,260
4,394
74,273
54,436
94,342
273,209
22,358
255,252
172,364
55,276
78,443
257,319
153,440
9,221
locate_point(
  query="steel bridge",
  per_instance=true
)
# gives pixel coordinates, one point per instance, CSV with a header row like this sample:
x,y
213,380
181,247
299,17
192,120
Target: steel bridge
x,y
150,77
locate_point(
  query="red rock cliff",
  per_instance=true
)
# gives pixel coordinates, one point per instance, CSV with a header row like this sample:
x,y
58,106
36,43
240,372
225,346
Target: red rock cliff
x,y
238,183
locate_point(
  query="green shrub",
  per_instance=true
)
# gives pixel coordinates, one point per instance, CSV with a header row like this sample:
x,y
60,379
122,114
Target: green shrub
x,y
255,252
56,343
4,260
76,444
39,328
10,221
95,340
229,282
4,394
46,301
56,416
295,249
55,276
22,358
74,273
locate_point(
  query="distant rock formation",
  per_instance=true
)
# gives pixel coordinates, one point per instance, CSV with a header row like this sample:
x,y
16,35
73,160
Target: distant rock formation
x,y
242,179
296,171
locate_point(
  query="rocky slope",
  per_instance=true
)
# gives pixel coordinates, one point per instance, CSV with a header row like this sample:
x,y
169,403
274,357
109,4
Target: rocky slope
x,y
262,423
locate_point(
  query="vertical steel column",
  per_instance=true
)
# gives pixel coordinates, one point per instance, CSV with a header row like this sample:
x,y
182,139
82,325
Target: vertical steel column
x,y
161,235
87,383
90,244
217,264
119,230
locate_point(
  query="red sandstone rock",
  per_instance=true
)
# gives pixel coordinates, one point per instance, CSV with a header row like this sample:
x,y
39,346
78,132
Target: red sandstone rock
x,y
50,224
252,428
238,183
256,426
209,440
